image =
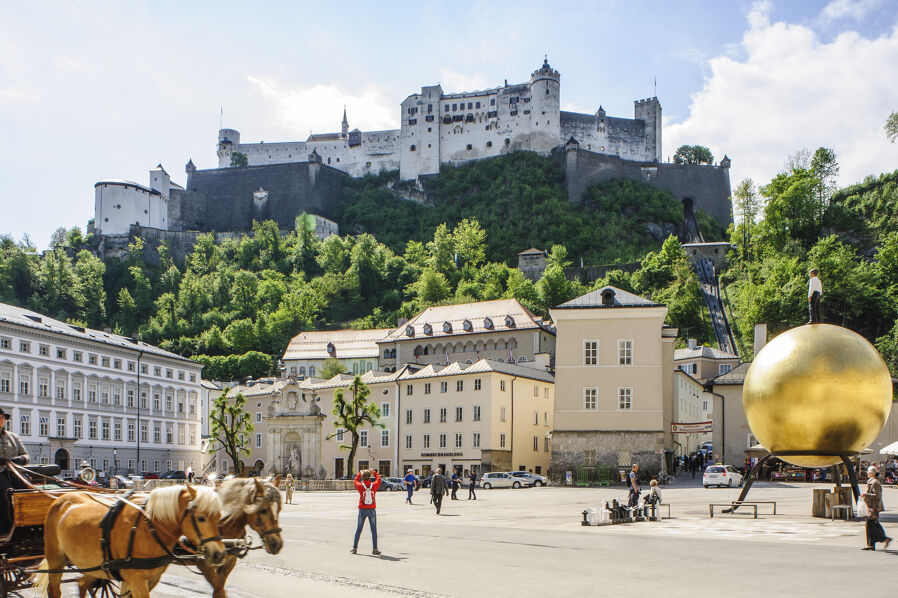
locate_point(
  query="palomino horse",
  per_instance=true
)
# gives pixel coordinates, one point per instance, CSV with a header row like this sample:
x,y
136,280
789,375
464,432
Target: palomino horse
x,y
246,501
73,534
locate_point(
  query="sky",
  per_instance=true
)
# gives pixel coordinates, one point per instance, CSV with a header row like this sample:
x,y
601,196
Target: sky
x,y
95,90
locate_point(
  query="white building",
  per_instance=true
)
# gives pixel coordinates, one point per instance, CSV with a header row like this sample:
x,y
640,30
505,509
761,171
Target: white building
x,y
693,407
76,394
357,350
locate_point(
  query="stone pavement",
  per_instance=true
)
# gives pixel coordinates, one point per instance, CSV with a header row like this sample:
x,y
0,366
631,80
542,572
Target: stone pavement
x,y
529,542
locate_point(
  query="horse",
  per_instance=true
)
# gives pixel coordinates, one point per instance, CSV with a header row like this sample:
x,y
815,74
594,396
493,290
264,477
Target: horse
x,y
246,501
73,534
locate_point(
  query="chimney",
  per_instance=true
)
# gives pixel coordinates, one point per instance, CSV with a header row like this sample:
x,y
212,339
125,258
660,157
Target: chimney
x,y
691,343
760,337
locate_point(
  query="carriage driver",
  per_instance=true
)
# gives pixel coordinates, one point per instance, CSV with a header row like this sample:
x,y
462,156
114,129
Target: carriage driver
x,y
11,449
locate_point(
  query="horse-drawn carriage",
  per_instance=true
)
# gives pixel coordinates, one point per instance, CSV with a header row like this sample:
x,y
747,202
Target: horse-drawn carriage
x,y
121,542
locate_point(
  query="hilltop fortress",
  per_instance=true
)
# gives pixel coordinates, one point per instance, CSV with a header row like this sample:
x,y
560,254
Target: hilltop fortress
x,y
285,179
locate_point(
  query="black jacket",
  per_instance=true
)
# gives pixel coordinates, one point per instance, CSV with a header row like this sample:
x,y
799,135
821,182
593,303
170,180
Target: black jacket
x,y
438,485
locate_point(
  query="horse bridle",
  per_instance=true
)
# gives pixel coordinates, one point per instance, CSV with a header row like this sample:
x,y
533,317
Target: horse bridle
x,y
191,510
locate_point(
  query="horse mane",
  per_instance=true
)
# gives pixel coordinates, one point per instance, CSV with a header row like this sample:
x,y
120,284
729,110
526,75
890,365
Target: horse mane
x,y
238,496
163,503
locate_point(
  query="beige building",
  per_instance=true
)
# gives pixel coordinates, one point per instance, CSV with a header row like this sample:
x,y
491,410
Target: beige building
x,y
502,330
356,349
614,383
487,415
730,432
692,407
703,362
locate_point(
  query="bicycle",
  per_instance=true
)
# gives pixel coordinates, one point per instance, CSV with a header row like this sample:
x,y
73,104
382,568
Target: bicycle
x,y
665,479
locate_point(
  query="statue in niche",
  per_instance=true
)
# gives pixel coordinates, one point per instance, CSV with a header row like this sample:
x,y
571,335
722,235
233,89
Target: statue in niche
x,y
292,401
321,472
294,463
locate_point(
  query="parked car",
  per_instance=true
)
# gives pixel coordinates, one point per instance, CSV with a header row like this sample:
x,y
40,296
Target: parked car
x,y
173,475
721,475
497,479
124,482
150,475
391,484
529,479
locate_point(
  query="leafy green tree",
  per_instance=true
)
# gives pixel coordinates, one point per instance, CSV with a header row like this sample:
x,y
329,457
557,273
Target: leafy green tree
x,y
891,127
74,238
431,288
354,414
791,213
18,270
239,160
231,427
441,251
825,168
126,318
469,239
59,294
89,272
558,256
693,154
747,204
331,367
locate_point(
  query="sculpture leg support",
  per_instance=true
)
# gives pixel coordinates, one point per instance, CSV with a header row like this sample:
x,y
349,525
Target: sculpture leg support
x,y
749,479
855,489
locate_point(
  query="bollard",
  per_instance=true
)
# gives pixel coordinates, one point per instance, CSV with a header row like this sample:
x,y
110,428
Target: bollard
x,y
584,522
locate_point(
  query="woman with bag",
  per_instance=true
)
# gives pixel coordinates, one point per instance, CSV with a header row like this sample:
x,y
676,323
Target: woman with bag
x,y
872,500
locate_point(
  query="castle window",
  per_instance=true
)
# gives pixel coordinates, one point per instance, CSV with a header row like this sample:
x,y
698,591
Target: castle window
x,y
526,112
514,112
489,143
412,121
477,105
513,101
492,114
454,107
430,107
492,101
458,118
469,146
338,160
469,118
447,108
412,148
487,127
429,129
469,106
547,91
429,118
447,120
526,100
507,141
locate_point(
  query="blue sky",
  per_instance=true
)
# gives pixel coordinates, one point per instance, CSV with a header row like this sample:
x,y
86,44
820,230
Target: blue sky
x,y
96,90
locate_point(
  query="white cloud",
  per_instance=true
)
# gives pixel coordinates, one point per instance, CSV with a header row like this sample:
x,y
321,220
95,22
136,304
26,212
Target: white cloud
x,y
852,9
17,96
790,90
319,108
453,82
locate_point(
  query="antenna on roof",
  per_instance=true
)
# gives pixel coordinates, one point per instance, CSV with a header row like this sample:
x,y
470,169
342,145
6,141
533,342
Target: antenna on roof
x,y
655,93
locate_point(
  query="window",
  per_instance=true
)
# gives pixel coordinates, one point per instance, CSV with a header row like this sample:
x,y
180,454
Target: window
x,y
459,385
535,390
105,362
590,398
44,426
546,392
43,351
536,443
117,364
130,397
408,441
502,413
502,385
76,427
157,371
340,433
536,418
143,399
458,414
157,433
5,382
412,148
476,440
458,441
444,386
426,441
590,352
546,444
624,398
363,438
130,431
477,384
92,429
625,352
723,368
116,397
442,415
442,441
144,432
60,389
104,430
169,436
77,356
60,353
117,431
704,405
408,390
4,343
258,417
384,438
104,395
258,441
168,373
501,440
43,387
25,425
169,403
412,121
180,405
427,388
131,367
476,413
546,418
24,347
76,391
156,401
24,386
427,416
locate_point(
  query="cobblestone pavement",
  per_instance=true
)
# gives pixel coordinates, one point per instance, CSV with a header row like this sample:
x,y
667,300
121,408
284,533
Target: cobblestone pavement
x,y
529,542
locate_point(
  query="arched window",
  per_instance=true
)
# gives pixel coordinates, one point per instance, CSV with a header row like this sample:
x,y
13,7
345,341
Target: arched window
x,y
522,359
302,370
386,353
311,370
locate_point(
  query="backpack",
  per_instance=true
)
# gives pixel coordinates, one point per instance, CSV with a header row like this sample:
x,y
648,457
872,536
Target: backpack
x,y
367,496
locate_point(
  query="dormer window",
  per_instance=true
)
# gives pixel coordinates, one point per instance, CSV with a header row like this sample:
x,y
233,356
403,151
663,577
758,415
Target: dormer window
x,y
468,326
428,329
409,331
509,321
487,323
447,327
331,349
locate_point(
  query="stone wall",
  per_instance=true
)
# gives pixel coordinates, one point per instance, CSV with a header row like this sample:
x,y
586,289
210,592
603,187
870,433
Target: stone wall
x,y
614,449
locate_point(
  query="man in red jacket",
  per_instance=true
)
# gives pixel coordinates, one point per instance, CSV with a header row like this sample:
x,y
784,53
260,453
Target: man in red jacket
x,y
366,482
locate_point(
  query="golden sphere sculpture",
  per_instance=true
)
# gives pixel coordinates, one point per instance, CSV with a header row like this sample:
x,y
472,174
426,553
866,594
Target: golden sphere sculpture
x,y
817,388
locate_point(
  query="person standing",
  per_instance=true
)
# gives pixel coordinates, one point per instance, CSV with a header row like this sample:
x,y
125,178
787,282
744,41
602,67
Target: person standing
x,y
472,476
873,499
289,485
366,482
11,451
438,488
633,500
815,291
454,481
409,485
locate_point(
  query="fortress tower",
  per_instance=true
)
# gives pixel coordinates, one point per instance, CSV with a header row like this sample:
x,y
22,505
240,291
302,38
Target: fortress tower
x,y
228,141
649,110
545,113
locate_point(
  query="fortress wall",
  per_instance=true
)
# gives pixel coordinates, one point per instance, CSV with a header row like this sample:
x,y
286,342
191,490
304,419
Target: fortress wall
x,y
707,186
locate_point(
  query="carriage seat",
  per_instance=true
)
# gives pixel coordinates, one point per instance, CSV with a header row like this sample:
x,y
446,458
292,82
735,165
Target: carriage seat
x,y
50,470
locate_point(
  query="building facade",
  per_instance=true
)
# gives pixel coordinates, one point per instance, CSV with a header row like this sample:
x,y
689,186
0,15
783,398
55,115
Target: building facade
x,y
356,349
703,362
614,384
692,411
78,395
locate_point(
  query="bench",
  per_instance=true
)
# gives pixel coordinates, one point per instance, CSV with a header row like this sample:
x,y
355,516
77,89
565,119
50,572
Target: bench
x,y
742,503
659,506
848,510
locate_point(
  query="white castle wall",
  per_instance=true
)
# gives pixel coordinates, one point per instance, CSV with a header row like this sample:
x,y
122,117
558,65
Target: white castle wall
x,y
119,204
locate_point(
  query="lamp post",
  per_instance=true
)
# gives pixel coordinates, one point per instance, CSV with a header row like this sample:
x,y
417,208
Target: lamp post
x,y
115,461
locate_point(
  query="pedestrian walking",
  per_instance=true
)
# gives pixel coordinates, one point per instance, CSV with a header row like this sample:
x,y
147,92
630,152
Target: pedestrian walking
x,y
366,482
693,465
633,500
289,486
438,488
815,292
409,485
873,500
454,481
472,476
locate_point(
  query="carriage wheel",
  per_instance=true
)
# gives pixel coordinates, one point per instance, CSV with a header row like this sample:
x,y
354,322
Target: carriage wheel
x,y
12,581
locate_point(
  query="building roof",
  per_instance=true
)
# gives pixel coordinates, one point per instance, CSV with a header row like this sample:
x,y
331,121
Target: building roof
x,y
479,367
706,352
533,251
348,344
29,319
735,376
125,183
620,298
468,318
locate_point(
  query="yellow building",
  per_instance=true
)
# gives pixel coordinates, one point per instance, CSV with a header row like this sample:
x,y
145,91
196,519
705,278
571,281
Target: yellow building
x,y
614,382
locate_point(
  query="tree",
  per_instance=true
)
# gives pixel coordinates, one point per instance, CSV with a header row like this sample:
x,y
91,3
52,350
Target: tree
x,y
332,367
693,154
748,206
351,416
231,426
442,251
59,236
892,127
825,169
239,160
470,242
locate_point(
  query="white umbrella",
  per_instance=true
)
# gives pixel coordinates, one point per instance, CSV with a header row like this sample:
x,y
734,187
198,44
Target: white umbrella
x,y
891,449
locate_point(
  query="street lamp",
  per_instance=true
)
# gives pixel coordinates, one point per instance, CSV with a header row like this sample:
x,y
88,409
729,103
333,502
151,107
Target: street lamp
x,y
115,461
